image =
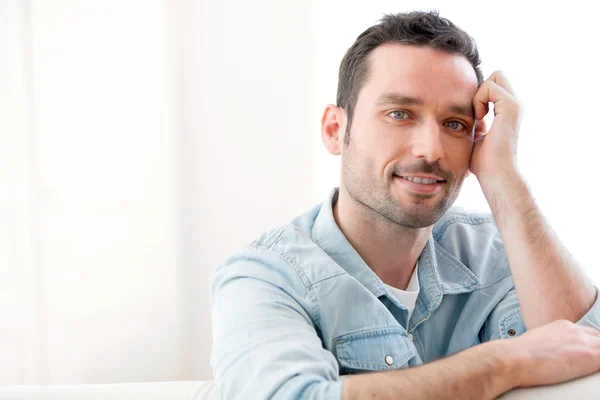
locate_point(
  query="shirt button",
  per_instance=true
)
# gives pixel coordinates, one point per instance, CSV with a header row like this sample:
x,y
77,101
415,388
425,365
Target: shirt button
x,y
410,335
389,360
511,332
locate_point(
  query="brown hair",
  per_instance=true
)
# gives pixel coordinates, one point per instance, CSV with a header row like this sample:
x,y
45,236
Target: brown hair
x,y
415,28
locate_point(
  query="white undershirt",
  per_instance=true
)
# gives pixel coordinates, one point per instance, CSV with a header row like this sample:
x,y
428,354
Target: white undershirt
x,y
409,296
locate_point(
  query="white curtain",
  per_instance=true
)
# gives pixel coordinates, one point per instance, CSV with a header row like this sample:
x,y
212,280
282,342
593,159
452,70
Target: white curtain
x,y
21,305
141,141
89,291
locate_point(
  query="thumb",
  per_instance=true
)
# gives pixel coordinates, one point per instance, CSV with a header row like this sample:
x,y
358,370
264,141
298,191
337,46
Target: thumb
x,y
480,129
475,156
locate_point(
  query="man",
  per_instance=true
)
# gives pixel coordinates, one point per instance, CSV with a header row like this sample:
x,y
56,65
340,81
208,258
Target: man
x,y
382,278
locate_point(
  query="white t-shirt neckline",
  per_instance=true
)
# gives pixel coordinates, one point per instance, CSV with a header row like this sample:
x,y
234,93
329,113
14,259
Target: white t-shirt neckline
x,y
409,296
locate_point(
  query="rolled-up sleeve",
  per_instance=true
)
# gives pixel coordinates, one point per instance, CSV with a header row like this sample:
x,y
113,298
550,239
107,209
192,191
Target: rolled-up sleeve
x,y
506,320
592,317
265,343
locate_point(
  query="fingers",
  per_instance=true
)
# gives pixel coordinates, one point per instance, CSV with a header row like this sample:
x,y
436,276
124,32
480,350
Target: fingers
x,y
489,91
495,89
500,79
578,334
591,331
571,326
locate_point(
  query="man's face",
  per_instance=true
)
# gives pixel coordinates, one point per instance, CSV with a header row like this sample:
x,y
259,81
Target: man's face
x,y
413,120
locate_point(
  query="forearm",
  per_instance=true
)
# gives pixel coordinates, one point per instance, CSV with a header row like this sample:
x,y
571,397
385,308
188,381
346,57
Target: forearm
x,y
482,372
549,283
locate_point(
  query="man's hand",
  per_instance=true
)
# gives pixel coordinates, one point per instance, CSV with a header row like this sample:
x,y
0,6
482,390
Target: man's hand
x,y
556,352
495,151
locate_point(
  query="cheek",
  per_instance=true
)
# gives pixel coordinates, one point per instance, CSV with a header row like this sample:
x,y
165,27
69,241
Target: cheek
x,y
392,147
379,141
458,154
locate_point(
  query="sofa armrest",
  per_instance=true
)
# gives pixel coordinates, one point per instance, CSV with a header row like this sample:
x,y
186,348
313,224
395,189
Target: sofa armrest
x,y
587,388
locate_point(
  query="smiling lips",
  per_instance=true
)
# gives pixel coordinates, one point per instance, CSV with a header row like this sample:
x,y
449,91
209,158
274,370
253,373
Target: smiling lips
x,y
421,184
416,179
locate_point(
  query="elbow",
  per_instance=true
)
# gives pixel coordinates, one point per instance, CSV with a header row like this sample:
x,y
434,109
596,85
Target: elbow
x,y
298,387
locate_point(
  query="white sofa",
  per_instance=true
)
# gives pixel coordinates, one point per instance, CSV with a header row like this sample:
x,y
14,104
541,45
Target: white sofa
x,y
198,390
582,389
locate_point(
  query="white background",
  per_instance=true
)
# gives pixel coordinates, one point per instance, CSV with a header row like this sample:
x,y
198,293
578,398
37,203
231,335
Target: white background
x,y
142,141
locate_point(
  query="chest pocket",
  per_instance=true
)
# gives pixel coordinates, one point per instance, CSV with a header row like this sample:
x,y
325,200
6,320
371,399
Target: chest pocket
x,y
382,349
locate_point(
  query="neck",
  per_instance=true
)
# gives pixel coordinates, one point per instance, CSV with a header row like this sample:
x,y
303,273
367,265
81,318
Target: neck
x,y
389,249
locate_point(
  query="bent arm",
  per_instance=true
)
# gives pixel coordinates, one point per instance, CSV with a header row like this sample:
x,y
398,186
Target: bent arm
x,y
549,283
265,345
482,372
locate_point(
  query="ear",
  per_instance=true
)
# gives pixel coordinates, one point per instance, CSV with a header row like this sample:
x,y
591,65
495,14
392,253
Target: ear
x,y
333,128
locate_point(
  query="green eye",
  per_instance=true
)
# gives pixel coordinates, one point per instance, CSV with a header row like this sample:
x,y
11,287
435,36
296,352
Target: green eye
x,y
398,114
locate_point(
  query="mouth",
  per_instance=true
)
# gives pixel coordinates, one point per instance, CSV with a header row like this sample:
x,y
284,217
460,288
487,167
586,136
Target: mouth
x,y
421,184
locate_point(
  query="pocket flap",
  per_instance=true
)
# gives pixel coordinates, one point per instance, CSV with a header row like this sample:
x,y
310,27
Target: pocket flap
x,y
511,324
376,349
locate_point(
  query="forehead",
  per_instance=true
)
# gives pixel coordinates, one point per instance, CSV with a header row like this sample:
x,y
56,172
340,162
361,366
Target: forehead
x,y
431,75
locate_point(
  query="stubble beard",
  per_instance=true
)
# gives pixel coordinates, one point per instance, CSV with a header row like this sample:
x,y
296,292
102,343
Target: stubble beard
x,y
379,199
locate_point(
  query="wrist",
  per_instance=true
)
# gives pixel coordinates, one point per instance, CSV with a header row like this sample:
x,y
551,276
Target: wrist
x,y
507,365
498,178
499,184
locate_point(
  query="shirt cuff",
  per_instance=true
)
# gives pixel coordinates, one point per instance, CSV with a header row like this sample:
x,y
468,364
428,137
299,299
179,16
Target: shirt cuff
x,y
592,317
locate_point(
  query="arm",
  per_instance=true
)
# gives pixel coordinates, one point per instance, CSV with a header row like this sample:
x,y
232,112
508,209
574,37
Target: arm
x,y
477,373
265,345
553,353
549,283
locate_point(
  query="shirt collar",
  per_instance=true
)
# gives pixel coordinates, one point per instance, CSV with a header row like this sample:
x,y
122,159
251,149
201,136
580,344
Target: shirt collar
x,y
454,277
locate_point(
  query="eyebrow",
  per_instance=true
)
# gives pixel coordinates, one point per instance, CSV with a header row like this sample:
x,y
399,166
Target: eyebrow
x,y
466,110
395,98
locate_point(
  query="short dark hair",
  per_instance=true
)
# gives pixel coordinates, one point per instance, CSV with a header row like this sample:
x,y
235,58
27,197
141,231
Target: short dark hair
x,y
417,28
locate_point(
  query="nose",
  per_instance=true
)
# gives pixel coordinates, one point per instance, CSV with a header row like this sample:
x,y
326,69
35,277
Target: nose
x,y
427,142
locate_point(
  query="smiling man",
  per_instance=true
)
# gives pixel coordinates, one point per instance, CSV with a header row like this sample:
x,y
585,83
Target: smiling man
x,y
385,292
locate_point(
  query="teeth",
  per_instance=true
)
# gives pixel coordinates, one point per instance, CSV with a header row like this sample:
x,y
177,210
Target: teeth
x,y
420,180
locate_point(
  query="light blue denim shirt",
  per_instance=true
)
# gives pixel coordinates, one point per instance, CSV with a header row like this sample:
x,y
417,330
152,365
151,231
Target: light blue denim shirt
x,y
298,307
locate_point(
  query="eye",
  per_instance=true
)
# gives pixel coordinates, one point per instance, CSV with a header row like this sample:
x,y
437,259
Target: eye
x,y
399,115
456,125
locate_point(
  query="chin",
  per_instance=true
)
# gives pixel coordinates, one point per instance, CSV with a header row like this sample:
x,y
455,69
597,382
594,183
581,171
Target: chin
x,y
421,214
417,221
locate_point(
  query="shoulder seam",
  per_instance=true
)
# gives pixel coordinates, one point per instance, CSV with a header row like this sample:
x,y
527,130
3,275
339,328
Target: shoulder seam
x,y
270,240
268,246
